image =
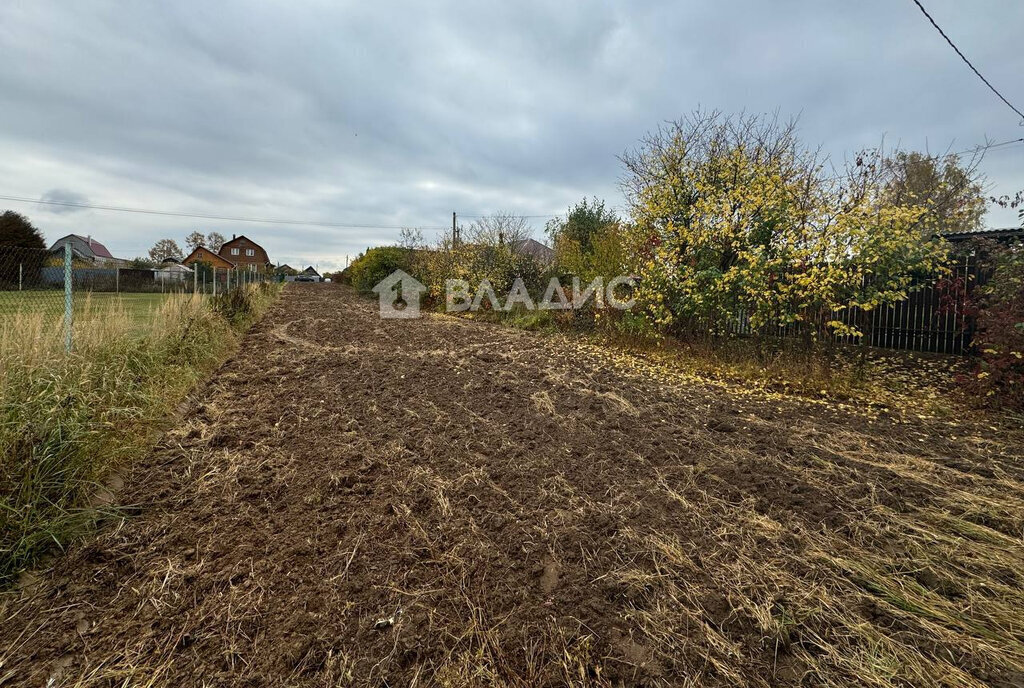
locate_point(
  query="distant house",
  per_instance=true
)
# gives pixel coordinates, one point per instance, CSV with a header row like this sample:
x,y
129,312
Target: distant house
x,y
285,270
307,275
205,255
246,254
88,249
172,272
534,249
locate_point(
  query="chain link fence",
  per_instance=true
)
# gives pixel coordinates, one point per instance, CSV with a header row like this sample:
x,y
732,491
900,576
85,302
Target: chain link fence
x,y
49,288
35,284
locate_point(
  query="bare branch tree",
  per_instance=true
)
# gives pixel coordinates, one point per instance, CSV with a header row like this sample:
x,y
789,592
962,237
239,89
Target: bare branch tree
x,y
214,241
411,238
195,240
499,229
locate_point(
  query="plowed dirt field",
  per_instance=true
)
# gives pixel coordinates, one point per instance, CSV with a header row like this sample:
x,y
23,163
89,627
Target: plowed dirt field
x,y
353,501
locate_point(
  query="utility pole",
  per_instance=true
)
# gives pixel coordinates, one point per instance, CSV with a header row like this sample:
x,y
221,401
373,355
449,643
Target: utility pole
x,y
455,230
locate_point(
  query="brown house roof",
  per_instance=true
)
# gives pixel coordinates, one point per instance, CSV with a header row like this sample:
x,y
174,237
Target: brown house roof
x,y
534,249
241,240
98,249
205,255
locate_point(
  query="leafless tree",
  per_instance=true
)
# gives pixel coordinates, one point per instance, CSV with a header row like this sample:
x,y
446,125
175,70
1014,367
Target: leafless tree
x,y
499,228
214,240
195,240
411,238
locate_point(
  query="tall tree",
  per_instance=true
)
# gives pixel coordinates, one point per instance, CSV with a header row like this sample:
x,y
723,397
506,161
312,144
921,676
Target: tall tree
x,y
195,240
141,263
582,223
165,248
214,240
951,193
16,230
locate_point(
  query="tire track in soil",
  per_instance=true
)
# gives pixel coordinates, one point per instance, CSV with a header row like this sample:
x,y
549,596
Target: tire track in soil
x,y
361,501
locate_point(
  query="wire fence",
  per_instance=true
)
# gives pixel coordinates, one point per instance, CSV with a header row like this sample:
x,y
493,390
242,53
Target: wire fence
x,y
53,285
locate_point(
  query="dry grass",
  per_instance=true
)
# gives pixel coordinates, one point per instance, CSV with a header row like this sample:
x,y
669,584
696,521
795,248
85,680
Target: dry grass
x,y
447,503
66,420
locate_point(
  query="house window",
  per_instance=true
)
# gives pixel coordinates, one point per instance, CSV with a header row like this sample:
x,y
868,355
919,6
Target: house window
x,y
250,252
234,251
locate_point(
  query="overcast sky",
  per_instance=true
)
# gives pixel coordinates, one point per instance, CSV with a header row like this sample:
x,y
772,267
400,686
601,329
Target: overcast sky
x,y
395,114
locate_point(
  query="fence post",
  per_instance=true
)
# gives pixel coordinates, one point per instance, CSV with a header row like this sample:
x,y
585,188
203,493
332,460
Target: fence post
x,y
20,265
67,296
195,278
117,280
214,281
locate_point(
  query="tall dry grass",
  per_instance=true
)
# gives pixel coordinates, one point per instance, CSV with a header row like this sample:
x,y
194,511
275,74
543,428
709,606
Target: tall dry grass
x,y
67,420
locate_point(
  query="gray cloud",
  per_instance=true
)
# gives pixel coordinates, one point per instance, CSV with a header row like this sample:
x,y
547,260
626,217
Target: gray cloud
x,y
63,201
398,113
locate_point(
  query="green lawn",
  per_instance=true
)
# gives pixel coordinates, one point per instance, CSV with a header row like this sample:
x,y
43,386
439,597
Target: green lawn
x,y
137,306
51,302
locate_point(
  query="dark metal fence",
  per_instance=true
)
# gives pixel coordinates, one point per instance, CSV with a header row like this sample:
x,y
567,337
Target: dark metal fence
x,y
935,317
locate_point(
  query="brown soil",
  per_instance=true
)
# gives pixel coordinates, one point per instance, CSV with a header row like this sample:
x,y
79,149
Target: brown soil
x,y
363,502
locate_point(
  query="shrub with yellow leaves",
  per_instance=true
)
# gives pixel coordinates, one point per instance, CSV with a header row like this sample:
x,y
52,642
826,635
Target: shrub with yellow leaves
x,y
736,217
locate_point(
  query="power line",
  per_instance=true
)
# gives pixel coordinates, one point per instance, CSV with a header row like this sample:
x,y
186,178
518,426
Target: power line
x,y
981,148
968,62
226,218
976,150
525,217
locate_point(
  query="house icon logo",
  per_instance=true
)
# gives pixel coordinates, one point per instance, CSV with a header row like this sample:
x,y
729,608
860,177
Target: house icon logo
x,y
399,295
